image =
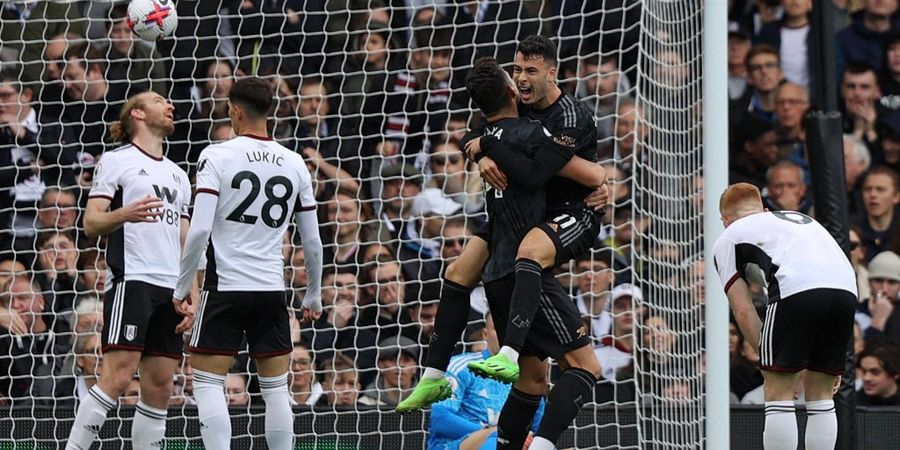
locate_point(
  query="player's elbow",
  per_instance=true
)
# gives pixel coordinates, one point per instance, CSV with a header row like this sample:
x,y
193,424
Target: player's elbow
x,y
91,228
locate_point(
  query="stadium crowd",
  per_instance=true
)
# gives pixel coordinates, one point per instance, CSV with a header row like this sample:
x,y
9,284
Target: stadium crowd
x,y
378,112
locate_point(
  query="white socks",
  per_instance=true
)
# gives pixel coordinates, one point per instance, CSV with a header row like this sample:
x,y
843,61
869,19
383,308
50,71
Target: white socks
x,y
781,426
279,417
539,443
510,353
212,410
821,425
148,430
431,372
90,417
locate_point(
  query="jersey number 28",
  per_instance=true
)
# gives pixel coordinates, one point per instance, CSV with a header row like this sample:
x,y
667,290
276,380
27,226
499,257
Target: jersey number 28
x,y
272,199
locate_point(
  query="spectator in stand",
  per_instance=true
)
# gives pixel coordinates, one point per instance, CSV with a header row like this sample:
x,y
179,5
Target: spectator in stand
x,y
420,306
212,95
92,272
863,40
400,184
756,143
738,45
25,24
341,385
280,33
305,389
889,131
335,330
858,259
33,155
890,73
764,75
236,389
132,66
857,161
88,315
601,86
58,210
594,276
57,270
33,351
89,103
881,194
745,375
860,92
790,35
347,226
880,372
615,350
785,188
397,372
449,174
296,276
454,235
422,255
386,286
877,315
316,129
791,105
88,361
10,265
630,135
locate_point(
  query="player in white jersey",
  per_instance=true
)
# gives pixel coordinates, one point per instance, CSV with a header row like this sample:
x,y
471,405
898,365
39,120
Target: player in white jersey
x,y
247,188
139,200
809,318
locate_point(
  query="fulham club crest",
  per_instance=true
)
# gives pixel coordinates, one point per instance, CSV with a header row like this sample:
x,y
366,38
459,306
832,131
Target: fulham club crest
x,y
130,332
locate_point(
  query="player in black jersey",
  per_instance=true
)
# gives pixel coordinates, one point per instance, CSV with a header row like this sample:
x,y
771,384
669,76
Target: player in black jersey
x,y
531,156
568,229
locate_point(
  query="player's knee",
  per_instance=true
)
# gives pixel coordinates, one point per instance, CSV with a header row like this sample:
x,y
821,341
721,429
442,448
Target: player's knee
x,y
459,275
584,360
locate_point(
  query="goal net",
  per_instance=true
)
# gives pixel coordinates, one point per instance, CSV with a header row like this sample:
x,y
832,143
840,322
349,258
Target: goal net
x,y
372,93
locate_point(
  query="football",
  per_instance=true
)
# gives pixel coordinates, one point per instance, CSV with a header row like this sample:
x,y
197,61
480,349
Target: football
x,y
152,19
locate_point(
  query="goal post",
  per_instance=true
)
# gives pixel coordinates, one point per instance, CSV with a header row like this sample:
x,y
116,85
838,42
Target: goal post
x,y
378,92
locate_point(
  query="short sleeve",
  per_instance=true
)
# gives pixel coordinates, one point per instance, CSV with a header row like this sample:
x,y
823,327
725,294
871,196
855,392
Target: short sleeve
x,y
106,177
306,199
208,176
725,262
186,195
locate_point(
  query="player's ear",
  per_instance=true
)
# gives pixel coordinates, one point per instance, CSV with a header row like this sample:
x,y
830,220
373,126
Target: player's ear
x,y
138,113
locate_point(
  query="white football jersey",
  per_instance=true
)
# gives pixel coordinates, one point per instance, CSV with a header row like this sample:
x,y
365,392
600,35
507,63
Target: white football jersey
x,y
148,252
793,252
260,185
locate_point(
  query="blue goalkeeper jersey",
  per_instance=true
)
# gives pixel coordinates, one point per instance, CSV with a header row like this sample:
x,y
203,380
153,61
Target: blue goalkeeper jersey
x,y
476,403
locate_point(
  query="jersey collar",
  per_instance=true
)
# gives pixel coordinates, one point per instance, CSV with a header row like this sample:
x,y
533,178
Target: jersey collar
x,y
155,158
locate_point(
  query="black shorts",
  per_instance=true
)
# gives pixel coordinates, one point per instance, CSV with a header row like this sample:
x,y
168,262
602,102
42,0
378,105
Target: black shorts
x,y
808,330
575,233
224,317
139,316
557,327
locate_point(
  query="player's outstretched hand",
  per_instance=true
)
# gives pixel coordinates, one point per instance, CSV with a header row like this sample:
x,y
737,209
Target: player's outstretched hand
x,y
599,198
147,209
310,316
473,148
492,174
183,308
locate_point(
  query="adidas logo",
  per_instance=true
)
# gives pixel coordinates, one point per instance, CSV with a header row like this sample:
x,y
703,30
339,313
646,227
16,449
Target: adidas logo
x,y
95,429
157,444
144,173
203,426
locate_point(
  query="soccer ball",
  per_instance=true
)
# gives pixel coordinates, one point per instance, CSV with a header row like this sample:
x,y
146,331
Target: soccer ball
x,y
152,20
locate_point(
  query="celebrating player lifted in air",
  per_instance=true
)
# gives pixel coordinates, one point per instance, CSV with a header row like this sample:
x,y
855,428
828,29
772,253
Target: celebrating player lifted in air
x,y
247,188
567,230
139,200
809,317
532,156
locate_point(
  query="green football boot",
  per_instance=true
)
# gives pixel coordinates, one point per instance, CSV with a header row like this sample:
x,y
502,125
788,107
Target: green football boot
x,y
426,392
498,367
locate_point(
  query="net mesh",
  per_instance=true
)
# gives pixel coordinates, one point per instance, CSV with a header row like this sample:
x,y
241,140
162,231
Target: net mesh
x,y
373,95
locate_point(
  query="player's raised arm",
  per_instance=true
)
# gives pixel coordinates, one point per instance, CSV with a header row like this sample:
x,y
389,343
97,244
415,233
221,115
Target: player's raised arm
x,y
532,172
197,237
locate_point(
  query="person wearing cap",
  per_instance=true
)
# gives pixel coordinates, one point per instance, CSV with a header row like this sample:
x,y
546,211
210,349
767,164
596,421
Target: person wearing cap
x,y
738,45
615,351
756,150
398,357
878,316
